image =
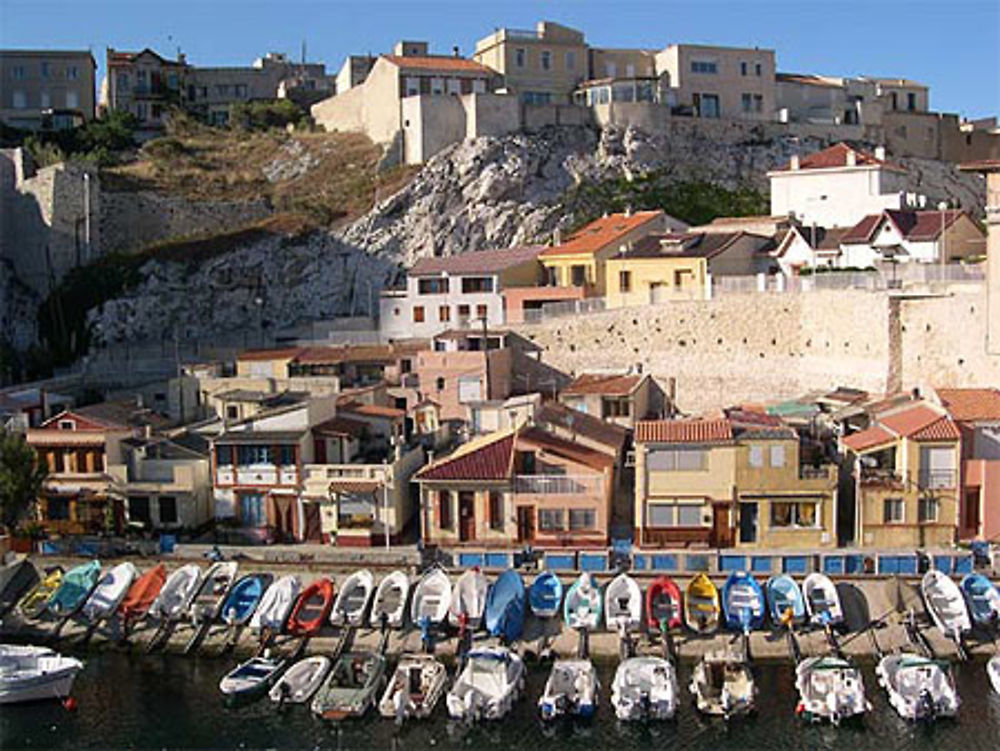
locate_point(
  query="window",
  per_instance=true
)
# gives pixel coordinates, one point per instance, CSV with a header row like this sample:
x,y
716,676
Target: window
x,y
777,456
688,516
470,389
224,456
625,281
756,456
44,100
758,69
172,82
444,509
418,314
519,56
790,514
440,384
482,311
72,100
434,286
570,60
472,284
140,110
709,106
168,509
674,460
743,68
610,69
937,467
437,86
252,512
232,412
138,509
578,276
57,509
17,72
758,103
444,313
616,407
680,515
19,100
496,511
479,86
44,69
286,456
222,89
747,101
250,455
911,101
551,519
927,510
704,66
892,511
240,89
582,518
546,60
894,97
463,311
66,425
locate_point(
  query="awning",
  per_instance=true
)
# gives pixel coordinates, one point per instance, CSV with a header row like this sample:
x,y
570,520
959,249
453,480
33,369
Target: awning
x,y
348,485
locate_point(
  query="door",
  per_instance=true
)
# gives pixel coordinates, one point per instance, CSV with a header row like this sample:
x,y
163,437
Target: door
x,y
311,516
466,516
748,522
525,523
972,512
721,536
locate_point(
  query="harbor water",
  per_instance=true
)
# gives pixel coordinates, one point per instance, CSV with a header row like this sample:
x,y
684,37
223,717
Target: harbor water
x,y
167,701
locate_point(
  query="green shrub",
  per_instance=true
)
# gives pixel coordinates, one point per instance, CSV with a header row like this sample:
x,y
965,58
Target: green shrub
x,y
265,115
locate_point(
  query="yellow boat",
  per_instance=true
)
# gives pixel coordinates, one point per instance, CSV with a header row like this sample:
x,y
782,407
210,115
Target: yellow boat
x,y
33,604
701,605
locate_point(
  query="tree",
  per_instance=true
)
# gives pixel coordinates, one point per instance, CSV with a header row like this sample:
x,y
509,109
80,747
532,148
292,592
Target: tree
x,y
21,479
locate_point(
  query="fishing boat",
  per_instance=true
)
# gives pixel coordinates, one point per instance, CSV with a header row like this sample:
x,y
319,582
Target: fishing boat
x,y
505,605
701,605
176,593
311,609
488,686
141,595
351,687
983,600
582,606
276,604
545,595
298,684
468,599
415,689
822,600
30,673
945,604
109,592
918,688
644,688
33,604
251,678
622,604
243,599
390,600
993,671
742,602
212,592
571,690
352,600
723,685
16,580
431,598
785,600
663,604
75,588
830,688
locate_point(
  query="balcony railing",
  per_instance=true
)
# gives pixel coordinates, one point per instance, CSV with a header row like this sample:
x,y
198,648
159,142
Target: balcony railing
x,y
814,473
937,478
881,476
559,485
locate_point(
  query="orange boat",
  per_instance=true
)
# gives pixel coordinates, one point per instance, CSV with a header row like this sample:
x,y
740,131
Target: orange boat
x,y
142,593
312,608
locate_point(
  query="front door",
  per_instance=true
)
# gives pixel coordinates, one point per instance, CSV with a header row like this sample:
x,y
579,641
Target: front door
x,y
466,516
721,536
314,528
748,523
525,523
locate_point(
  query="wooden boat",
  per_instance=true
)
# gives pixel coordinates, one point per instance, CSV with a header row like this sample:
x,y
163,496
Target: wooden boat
x,y
75,589
723,685
488,686
644,688
212,592
33,604
352,600
109,592
276,604
918,688
311,609
622,604
822,600
505,606
785,601
353,684
830,688
945,604
663,604
390,600
742,602
983,600
17,579
243,599
545,595
582,606
415,689
571,690
431,598
30,673
993,671
468,599
141,594
298,684
172,602
251,678
701,605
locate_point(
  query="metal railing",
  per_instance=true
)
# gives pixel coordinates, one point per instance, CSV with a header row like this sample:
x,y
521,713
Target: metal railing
x,y
937,478
559,485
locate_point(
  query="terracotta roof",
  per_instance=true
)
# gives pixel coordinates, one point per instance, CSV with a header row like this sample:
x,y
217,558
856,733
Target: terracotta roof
x,y
346,353
862,231
286,353
575,452
942,429
602,232
971,405
683,431
340,426
488,458
866,439
438,62
918,422
908,421
691,244
375,410
580,423
601,383
477,262
836,156
916,226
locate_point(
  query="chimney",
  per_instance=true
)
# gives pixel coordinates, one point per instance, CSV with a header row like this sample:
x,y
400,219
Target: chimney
x,y
852,158
557,236
628,210
880,153
454,51
795,162
181,58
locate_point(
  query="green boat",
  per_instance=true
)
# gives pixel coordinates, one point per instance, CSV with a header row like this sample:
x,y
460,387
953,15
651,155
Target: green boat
x,y
75,588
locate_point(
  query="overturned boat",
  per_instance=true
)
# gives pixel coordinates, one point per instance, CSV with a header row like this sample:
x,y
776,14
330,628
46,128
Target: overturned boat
x,y
276,605
353,599
172,601
244,598
16,580
488,686
298,684
74,590
431,598
35,602
571,690
311,609
390,600
351,687
742,602
946,605
830,688
918,688
545,595
644,688
622,604
141,595
109,592
723,685
468,599
983,600
415,689
505,606
212,591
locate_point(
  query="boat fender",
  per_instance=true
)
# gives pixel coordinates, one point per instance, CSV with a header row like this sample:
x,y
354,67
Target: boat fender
x,y
69,703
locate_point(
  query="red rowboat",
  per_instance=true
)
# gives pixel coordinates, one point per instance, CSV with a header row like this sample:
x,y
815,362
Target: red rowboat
x,y
663,601
311,609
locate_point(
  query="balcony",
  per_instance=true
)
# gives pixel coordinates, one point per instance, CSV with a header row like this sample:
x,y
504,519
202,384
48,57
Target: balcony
x,y
814,473
881,477
580,485
933,479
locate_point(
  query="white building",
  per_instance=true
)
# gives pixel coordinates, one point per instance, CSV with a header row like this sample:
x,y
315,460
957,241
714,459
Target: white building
x,y
911,237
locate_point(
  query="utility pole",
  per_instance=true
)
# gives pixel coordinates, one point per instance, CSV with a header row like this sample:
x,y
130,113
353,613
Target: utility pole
x,y
486,357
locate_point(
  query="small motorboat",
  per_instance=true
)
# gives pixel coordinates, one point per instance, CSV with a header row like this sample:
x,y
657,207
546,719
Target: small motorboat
x,y
822,600
251,678
212,591
468,599
141,595
244,597
352,600
351,687
983,600
390,600
622,604
488,686
171,604
415,689
663,604
545,595
311,609
582,606
830,688
34,604
723,685
993,671
431,598
644,688
742,602
276,604
701,605
505,606
30,673
945,604
76,587
571,690
16,580
298,684
785,600
918,688
109,592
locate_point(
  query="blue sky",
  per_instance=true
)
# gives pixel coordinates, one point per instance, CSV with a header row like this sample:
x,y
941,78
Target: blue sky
x,y
951,45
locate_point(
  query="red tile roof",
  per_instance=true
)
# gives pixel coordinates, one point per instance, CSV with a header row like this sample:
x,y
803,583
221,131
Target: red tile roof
x,y
919,422
575,452
602,232
601,383
489,460
866,439
375,410
287,353
438,62
971,405
910,420
862,231
836,156
341,426
943,429
347,353
916,226
683,431
477,262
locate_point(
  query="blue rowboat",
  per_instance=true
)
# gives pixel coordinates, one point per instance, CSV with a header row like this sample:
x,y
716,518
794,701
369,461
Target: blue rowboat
x,y
75,589
785,601
742,602
983,600
505,607
244,598
546,595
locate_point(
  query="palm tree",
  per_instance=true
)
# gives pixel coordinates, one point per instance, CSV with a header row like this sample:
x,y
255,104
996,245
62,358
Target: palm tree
x,y
21,479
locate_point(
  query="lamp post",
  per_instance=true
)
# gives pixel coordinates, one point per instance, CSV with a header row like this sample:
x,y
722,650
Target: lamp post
x,y
943,208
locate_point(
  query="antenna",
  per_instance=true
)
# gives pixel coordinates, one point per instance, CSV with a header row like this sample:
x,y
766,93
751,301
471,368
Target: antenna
x,y
303,51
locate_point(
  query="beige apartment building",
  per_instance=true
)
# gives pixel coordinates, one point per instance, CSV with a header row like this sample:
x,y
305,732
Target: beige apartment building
x,y
721,82
46,89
